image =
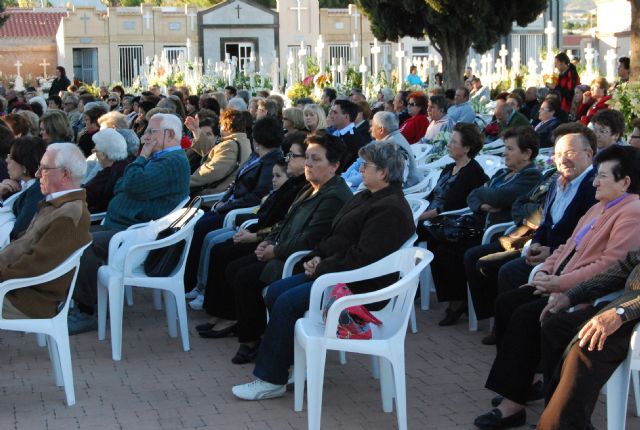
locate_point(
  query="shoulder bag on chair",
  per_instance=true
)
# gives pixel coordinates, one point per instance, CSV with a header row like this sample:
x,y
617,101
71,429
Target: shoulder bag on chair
x,y
454,228
163,261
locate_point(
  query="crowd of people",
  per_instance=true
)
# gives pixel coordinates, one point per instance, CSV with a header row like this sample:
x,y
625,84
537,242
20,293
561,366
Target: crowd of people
x,y
329,177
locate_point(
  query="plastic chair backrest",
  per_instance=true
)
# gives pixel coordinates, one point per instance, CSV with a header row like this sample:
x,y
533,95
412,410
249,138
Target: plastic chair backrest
x,y
418,206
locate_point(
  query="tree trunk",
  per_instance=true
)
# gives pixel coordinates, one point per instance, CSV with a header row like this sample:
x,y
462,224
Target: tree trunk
x,y
454,59
635,40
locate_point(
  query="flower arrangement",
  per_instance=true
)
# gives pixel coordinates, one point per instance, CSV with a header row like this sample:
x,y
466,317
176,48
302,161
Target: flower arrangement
x,y
626,99
301,89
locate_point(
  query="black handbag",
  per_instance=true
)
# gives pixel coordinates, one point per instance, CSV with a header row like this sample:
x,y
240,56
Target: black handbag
x,y
454,228
162,262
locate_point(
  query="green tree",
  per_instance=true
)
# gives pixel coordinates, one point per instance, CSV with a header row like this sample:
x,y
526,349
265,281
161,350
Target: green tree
x,y
452,26
4,18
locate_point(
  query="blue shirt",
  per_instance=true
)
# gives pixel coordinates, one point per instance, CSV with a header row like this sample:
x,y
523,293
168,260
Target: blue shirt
x,y
564,196
462,113
166,151
414,80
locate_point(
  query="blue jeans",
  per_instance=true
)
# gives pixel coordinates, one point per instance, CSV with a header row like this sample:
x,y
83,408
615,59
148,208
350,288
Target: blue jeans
x,y
287,300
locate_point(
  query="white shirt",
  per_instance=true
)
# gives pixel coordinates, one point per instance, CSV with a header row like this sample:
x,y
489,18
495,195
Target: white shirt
x,y
60,194
347,130
564,196
26,184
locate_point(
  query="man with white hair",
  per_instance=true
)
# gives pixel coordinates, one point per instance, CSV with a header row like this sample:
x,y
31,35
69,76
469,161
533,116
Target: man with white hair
x,y
59,228
384,127
152,185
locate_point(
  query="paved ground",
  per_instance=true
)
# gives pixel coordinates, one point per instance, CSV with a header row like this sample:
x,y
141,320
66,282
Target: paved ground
x,y
157,386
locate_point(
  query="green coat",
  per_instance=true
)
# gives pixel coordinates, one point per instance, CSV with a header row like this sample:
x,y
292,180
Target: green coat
x,y
307,222
518,120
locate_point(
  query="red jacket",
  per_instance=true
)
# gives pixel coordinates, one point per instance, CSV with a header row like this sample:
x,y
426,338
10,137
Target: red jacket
x,y
588,110
567,82
415,128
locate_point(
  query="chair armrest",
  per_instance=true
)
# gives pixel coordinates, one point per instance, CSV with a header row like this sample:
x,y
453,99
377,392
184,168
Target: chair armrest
x,y
97,217
494,230
608,298
292,260
535,270
462,211
248,223
230,217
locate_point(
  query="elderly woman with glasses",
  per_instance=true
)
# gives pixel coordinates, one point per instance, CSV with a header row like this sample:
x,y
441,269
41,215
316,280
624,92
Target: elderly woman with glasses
x,y
111,152
414,128
375,223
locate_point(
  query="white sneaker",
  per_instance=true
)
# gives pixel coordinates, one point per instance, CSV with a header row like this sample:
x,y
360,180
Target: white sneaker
x,y
196,304
259,390
193,294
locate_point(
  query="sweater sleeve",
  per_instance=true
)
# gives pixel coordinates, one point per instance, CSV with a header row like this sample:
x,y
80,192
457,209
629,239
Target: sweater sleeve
x,y
148,179
623,237
372,246
504,197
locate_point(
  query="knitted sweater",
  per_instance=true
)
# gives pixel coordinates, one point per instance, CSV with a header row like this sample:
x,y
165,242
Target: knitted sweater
x,y
148,190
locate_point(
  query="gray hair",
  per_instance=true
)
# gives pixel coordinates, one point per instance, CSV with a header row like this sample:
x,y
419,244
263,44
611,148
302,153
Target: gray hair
x,y
70,156
387,156
166,103
97,103
386,120
387,94
170,121
237,103
111,143
71,98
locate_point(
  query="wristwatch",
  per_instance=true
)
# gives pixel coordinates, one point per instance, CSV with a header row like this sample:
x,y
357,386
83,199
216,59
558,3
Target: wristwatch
x,y
623,316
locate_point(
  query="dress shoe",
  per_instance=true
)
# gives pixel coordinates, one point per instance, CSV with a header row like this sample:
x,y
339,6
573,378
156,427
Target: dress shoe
x,y
217,334
204,327
535,393
489,339
495,421
452,316
245,354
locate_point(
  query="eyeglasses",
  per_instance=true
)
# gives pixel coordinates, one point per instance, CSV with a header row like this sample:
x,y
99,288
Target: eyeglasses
x,y
545,110
42,168
153,130
291,155
412,104
569,154
366,164
112,100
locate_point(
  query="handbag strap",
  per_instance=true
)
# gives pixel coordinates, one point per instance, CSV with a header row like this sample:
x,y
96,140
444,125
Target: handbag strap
x,y
188,214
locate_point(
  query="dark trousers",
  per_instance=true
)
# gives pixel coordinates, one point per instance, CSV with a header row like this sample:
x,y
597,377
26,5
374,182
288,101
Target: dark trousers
x,y
447,268
86,289
513,274
210,221
575,385
518,340
481,264
219,299
243,275
287,300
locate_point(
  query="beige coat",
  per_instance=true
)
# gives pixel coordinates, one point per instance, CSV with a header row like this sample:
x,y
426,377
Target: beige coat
x,y
219,168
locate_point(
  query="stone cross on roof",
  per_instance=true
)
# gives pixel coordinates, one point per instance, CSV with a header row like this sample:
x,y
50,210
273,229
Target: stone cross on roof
x,y
84,18
298,8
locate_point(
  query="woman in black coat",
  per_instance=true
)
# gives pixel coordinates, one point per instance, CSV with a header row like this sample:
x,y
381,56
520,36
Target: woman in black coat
x,y
372,225
60,83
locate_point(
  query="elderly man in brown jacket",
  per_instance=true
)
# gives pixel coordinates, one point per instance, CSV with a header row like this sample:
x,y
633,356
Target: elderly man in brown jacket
x,y
59,228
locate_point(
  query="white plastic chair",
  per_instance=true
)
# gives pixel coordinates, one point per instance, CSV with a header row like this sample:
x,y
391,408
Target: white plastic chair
x,y
421,151
490,163
112,279
489,234
440,163
211,198
230,217
55,329
617,387
422,186
313,338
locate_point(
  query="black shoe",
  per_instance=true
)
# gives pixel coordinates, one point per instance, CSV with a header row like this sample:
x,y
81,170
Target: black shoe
x,y
246,354
535,393
452,316
217,334
204,327
489,339
494,421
